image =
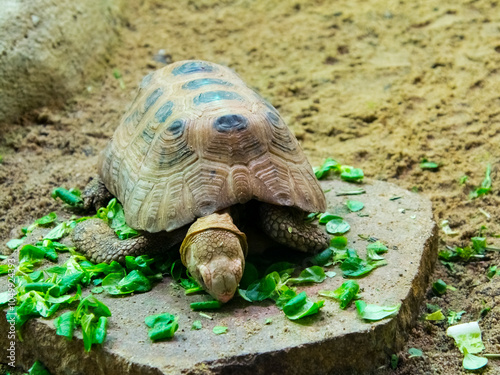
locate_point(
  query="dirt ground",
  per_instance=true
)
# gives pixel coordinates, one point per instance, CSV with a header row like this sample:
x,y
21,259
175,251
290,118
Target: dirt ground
x,y
379,85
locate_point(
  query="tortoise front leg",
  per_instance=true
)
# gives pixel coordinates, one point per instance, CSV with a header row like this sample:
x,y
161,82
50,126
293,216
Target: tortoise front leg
x,y
98,242
286,226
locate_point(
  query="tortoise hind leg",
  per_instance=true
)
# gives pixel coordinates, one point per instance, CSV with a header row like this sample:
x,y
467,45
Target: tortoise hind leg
x,y
98,242
286,226
95,195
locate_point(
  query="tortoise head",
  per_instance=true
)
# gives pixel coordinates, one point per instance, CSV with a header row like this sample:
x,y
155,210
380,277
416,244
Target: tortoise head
x,y
214,253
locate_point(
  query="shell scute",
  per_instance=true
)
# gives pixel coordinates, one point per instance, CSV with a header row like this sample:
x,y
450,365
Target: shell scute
x,y
196,140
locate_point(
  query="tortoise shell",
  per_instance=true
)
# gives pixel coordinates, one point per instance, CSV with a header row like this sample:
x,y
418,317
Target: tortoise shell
x,y
196,140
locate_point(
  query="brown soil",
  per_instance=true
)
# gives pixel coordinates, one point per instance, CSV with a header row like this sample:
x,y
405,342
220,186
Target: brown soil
x,y
378,85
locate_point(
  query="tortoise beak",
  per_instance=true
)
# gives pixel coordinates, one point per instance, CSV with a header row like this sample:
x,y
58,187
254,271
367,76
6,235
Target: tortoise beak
x,y
221,282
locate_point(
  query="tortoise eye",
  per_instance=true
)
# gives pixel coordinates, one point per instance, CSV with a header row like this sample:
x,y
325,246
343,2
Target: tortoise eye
x,y
227,123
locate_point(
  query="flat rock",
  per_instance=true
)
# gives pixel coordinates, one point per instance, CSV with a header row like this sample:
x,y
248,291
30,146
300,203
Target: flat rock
x,y
333,341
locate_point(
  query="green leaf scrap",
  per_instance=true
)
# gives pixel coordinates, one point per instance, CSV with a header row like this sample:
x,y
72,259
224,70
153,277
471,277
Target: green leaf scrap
x,y
300,306
354,206
162,326
485,187
344,294
374,312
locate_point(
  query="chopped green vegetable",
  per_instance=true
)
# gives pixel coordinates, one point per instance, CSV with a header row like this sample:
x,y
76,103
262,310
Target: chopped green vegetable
x,y
473,362
394,361
348,173
285,295
326,217
219,330
492,272
350,192
436,315
323,259
354,266
118,75
447,230
337,226
268,321
280,267
261,289
328,165
205,305
468,336
345,293
135,281
463,179
338,242
38,369
414,352
250,274
439,287
196,325
114,215
61,230
454,317
65,324
15,243
429,165
141,263
300,306
354,206
314,274
162,326
485,187
374,312
374,249
92,315
44,221
69,197
468,339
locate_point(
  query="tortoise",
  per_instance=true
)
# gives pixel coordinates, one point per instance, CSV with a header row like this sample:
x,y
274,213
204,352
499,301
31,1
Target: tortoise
x,y
195,146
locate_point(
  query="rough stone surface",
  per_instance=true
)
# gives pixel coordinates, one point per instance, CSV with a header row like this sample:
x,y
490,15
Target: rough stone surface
x,y
50,48
333,341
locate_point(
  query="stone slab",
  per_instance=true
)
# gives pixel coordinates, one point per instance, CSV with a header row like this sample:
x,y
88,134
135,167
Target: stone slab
x,y
333,341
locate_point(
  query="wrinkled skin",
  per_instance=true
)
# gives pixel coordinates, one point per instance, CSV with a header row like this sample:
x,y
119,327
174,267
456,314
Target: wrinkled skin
x,y
215,257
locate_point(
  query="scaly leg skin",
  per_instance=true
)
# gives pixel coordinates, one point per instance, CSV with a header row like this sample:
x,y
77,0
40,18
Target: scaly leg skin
x,y
286,226
98,242
95,195
214,252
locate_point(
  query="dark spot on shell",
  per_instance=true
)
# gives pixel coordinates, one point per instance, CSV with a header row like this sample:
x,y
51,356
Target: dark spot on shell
x,y
164,112
146,80
212,96
193,67
197,83
177,127
273,119
227,123
148,134
152,98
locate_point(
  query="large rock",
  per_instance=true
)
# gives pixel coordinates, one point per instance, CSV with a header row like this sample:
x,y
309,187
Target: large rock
x,y
333,341
50,48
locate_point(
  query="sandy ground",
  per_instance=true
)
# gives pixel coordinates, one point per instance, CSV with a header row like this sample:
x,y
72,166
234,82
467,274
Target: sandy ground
x,y
379,85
